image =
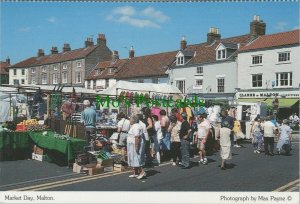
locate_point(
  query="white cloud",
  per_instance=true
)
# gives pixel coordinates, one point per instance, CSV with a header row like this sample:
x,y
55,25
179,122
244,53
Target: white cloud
x,y
125,10
24,29
156,15
52,19
281,25
148,17
141,23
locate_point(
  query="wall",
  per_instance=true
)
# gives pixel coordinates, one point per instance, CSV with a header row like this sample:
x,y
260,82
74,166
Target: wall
x,y
227,69
269,67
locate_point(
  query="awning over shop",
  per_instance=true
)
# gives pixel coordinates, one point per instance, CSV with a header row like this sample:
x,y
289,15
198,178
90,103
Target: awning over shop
x,y
283,102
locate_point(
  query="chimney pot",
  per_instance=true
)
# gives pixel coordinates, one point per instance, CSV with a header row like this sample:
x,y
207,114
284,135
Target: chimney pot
x,y
41,53
183,43
213,35
131,52
101,39
257,27
115,55
54,50
8,60
89,42
66,47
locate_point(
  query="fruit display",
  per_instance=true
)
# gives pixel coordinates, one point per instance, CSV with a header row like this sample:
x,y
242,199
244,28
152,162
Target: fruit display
x,y
61,137
29,122
36,127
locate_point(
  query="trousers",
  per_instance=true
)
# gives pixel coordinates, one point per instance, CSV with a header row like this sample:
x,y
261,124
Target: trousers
x,y
269,141
185,153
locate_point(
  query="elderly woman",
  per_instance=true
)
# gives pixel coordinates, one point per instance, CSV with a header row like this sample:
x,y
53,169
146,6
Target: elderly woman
x,y
285,138
136,148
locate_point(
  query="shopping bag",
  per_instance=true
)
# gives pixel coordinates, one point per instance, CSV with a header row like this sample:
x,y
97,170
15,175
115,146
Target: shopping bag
x,y
166,142
240,135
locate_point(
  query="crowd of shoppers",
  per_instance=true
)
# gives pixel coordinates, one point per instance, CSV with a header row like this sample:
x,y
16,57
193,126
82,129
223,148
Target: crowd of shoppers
x,y
154,138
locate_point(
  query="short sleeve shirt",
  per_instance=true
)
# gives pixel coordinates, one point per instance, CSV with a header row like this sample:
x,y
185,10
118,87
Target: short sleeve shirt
x,y
124,124
202,127
284,132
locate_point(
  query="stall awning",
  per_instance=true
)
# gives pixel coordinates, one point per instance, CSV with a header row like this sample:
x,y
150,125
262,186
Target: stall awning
x,y
283,102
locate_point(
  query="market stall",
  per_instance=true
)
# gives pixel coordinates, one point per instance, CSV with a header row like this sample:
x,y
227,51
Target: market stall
x,y
14,145
131,91
61,149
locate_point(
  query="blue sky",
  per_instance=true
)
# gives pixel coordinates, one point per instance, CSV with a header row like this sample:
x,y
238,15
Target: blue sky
x,y
148,27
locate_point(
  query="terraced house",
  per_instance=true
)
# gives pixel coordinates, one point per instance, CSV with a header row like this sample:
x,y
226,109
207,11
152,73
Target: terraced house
x,y
68,67
269,68
210,69
4,74
142,69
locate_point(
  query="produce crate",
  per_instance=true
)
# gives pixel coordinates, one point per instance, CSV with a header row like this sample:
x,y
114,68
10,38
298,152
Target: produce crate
x,y
39,157
21,127
121,168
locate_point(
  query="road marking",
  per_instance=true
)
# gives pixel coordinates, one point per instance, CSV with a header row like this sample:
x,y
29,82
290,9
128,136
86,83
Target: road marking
x,y
68,181
36,180
75,180
287,186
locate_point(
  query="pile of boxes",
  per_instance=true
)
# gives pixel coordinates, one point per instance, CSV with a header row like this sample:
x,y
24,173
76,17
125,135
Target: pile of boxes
x,y
38,154
94,168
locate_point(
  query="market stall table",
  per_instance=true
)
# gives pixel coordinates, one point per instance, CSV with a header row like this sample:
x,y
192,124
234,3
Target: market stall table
x,y
59,151
106,130
14,146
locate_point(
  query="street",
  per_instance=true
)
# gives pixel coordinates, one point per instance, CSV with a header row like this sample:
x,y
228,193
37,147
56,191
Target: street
x,y
246,172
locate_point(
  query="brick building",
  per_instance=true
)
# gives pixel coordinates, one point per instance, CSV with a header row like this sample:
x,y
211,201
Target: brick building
x,y
68,67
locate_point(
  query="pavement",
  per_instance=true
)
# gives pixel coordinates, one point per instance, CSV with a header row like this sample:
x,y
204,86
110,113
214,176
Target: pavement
x,y
246,172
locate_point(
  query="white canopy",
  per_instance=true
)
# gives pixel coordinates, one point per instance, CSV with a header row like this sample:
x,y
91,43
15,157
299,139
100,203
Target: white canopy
x,y
140,87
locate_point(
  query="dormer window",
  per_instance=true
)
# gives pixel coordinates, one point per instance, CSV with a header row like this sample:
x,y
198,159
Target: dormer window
x,y
78,64
111,70
226,50
221,54
180,60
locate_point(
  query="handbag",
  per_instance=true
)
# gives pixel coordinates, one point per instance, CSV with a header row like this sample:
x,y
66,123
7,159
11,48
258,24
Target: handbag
x,y
166,142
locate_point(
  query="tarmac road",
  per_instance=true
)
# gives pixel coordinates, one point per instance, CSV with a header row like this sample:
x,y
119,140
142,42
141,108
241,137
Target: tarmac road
x,y
247,172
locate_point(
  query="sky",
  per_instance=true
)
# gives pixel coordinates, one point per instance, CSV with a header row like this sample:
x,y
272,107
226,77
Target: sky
x,y
149,27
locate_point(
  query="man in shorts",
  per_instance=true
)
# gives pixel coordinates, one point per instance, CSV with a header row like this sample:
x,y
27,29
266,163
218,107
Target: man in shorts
x,y
202,135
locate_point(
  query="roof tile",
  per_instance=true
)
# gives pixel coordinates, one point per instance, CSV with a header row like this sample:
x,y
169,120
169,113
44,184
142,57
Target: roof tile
x,y
274,40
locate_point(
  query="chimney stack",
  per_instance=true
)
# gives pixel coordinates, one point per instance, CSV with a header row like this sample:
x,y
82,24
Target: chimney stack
x,y
41,53
131,52
115,55
257,27
213,35
66,47
8,60
54,50
89,42
101,39
183,43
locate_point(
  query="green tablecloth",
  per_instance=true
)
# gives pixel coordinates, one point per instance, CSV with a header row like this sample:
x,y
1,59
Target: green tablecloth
x,y
14,145
66,147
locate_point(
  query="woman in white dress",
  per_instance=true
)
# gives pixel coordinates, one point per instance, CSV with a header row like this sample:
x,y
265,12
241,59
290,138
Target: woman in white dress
x,y
136,148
